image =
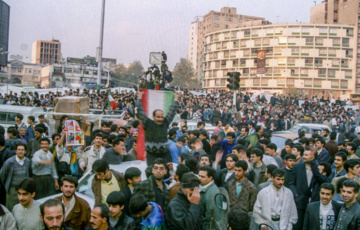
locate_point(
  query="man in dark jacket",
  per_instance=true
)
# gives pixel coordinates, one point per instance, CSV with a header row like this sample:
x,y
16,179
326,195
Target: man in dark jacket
x,y
154,189
117,153
78,212
184,210
322,214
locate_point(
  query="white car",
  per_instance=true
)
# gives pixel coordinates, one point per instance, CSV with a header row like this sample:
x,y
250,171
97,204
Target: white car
x,y
84,188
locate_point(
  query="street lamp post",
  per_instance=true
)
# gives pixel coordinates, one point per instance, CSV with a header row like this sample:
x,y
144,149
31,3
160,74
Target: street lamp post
x,y
101,44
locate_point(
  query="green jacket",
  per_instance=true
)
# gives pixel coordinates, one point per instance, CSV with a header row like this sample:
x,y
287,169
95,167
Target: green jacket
x,y
209,209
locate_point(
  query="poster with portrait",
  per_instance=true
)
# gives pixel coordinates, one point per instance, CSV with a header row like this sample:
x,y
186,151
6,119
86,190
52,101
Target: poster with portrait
x,y
261,61
74,135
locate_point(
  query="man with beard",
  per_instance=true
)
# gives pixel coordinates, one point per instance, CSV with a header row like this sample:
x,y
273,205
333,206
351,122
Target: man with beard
x,y
322,214
77,210
27,213
154,189
100,216
91,154
52,214
156,141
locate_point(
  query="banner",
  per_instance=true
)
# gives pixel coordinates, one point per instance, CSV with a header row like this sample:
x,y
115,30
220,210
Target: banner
x,y
74,135
261,61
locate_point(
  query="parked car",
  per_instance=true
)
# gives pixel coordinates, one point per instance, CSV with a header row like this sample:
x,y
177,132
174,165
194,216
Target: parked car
x,y
280,138
309,128
84,188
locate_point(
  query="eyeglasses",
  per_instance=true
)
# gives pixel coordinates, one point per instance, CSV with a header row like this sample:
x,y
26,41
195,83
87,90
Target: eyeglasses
x,y
159,168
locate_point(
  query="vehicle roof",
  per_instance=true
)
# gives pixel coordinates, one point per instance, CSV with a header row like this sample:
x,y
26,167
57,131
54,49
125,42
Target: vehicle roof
x,y
291,136
20,109
313,125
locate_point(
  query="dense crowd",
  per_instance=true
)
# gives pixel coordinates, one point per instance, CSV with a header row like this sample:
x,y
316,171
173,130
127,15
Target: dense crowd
x,y
311,183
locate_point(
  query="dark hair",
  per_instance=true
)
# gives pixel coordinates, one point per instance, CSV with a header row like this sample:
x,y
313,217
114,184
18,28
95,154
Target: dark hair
x,y
271,146
159,161
19,115
27,184
352,184
301,133
20,144
51,203
116,198
200,123
270,168
265,142
342,155
2,140
100,166
135,123
246,128
239,220
44,128
258,128
304,140
341,143
196,133
230,134
138,203
105,212
181,170
189,177
44,139
184,156
322,141
32,118
209,170
290,156
327,168
203,132
39,129
332,135
300,149
130,173
13,131
350,163
241,164
117,141
54,135
98,134
257,152
239,147
328,186
353,146
340,182
192,164
172,132
233,156
63,118
70,179
278,173
181,139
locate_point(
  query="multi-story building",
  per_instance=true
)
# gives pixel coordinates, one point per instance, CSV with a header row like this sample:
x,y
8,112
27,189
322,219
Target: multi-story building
x,y
74,75
46,52
213,21
314,58
4,32
19,72
341,12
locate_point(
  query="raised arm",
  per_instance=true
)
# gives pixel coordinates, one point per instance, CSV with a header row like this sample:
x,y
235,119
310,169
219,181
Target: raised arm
x,y
170,115
140,109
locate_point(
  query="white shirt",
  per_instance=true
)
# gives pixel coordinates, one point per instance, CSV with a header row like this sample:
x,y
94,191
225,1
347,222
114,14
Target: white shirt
x,y
69,206
21,162
276,204
326,214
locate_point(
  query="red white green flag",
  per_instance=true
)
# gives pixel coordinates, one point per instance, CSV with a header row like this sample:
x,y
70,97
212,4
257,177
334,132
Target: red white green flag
x,y
152,100
111,103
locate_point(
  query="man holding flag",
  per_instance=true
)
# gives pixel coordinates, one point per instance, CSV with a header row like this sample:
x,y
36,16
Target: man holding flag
x,y
156,103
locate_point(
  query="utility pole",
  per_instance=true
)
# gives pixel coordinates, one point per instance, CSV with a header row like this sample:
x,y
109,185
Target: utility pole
x,y
234,99
101,44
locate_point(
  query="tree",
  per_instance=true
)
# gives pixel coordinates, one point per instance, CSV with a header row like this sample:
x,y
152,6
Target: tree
x,y
183,75
125,76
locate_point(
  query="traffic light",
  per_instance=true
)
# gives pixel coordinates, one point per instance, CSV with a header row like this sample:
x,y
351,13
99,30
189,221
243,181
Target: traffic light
x,y
237,80
230,79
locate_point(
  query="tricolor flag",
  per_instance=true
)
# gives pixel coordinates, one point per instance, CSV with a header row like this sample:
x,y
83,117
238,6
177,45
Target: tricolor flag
x,y
152,100
112,103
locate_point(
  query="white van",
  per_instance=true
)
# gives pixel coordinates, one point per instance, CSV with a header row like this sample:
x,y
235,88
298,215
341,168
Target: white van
x,y
8,113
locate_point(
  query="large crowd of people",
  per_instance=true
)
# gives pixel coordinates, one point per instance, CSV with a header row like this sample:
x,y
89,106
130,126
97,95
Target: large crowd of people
x,y
311,183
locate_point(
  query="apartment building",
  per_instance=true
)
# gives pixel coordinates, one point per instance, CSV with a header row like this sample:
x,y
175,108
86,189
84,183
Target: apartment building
x,y
46,52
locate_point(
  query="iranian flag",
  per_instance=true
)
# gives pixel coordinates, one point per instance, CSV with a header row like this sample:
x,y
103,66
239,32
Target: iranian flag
x,y
152,100
112,103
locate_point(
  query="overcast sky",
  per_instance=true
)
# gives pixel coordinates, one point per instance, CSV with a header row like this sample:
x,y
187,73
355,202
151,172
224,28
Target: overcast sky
x,y
133,28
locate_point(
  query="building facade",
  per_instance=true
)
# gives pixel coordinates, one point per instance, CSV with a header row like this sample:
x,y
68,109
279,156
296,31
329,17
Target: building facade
x,y
341,12
73,75
18,72
316,59
213,21
46,52
4,32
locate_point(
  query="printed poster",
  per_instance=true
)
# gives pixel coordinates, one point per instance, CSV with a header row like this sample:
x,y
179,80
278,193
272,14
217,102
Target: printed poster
x,y
74,135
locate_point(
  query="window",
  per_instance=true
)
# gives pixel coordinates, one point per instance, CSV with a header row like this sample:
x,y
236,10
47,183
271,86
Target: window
x,y
323,30
322,51
239,20
304,50
282,61
318,61
246,32
266,41
345,41
216,25
270,31
305,30
349,31
309,40
226,26
292,40
336,41
344,84
216,17
247,52
335,83
331,72
242,61
322,71
230,19
291,61
295,50
268,50
336,62
332,30
308,60
295,30
278,50
349,52
332,52
258,41
226,19
319,40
